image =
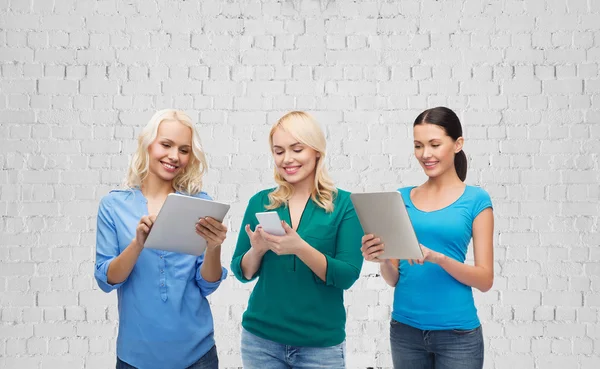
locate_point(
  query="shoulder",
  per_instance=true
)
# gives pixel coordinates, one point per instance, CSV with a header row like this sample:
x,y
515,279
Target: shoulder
x,y
201,195
342,201
263,194
342,195
116,201
476,193
117,196
405,191
261,197
477,199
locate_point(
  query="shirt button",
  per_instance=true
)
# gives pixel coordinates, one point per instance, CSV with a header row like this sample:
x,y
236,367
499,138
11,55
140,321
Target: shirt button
x,y
162,271
162,284
161,257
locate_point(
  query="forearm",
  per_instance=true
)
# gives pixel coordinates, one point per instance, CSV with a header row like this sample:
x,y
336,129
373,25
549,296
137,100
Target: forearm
x,y
470,275
251,262
389,272
120,268
211,268
314,259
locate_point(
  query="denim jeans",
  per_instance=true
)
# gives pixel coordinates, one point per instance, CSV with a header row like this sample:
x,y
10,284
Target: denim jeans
x,y
413,348
210,360
259,353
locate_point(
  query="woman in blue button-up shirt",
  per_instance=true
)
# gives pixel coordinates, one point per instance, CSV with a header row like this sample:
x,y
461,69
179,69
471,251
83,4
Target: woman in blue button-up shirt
x,y
165,320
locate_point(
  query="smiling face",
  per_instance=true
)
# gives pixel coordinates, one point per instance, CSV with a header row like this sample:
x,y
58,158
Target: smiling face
x,y
434,149
295,161
171,151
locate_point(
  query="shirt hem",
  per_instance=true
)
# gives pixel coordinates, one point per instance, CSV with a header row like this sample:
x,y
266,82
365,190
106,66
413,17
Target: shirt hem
x,y
435,327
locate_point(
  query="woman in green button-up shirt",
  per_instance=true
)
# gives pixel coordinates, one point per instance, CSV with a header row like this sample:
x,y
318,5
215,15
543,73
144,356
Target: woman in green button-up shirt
x,y
296,316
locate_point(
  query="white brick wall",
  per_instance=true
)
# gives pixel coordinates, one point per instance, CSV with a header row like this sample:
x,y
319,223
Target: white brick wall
x,y
79,78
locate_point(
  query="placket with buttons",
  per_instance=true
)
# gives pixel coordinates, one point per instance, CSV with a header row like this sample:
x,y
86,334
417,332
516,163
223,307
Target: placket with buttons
x,y
163,282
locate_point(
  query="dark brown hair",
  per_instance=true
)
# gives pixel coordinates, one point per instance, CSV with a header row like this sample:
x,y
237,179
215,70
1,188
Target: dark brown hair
x,y
448,120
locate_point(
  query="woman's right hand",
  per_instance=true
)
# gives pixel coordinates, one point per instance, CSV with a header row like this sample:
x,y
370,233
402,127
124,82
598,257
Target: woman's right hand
x,y
257,241
372,248
143,228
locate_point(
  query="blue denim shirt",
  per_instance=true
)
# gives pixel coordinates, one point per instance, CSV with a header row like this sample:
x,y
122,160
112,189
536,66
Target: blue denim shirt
x,y
165,320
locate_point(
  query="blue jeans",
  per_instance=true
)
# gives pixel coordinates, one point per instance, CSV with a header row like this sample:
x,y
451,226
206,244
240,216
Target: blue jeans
x,y
259,353
210,360
413,348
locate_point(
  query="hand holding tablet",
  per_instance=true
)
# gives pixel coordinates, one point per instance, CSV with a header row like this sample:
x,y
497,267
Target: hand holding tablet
x,y
384,215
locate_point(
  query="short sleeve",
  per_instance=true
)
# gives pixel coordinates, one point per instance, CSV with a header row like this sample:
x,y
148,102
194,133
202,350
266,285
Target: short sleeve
x,y
481,202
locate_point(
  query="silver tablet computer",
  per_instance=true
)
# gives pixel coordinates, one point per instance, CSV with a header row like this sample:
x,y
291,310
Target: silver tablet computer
x,y
384,215
175,226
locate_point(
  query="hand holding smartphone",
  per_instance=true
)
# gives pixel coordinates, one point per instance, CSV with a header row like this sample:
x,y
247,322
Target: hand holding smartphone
x,y
271,223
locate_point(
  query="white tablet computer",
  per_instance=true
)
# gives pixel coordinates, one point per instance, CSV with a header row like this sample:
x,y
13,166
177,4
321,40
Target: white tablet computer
x,y
175,226
384,215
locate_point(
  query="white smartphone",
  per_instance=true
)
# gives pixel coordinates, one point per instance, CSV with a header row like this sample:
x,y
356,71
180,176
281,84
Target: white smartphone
x,y
270,222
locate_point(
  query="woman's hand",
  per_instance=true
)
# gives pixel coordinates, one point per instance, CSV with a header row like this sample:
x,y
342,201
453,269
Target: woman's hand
x,y
289,244
428,255
257,242
143,228
213,231
372,248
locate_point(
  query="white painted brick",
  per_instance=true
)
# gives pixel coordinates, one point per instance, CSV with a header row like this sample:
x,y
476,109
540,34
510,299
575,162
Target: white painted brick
x,y
532,83
37,345
565,314
62,362
58,346
17,331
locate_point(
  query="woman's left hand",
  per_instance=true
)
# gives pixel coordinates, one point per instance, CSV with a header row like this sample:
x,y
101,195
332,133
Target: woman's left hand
x,y
428,255
213,231
283,245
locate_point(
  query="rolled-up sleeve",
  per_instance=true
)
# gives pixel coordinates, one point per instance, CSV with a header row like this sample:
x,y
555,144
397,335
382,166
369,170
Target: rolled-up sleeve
x,y
206,288
107,246
344,269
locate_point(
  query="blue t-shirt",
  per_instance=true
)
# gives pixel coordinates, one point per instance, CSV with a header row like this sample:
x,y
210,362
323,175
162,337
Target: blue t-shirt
x,y
426,296
164,317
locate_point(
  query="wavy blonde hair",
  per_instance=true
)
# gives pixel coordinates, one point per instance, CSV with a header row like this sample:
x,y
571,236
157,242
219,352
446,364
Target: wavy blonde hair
x,y
189,181
305,129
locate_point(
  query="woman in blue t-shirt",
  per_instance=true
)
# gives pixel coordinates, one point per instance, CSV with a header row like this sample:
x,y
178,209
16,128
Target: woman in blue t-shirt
x,y
434,320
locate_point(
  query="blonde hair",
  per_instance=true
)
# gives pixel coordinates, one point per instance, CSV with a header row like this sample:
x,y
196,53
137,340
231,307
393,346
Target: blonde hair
x,y
305,129
189,181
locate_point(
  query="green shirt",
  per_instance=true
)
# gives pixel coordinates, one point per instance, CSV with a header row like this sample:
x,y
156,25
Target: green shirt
x,y
290,304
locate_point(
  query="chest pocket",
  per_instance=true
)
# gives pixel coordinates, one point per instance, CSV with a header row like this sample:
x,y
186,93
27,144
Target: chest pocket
x,y
321,237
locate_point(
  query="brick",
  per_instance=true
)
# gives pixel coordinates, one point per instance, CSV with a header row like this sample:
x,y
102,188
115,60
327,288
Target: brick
x,y
57,87
95,56
94,87
21,55
62,362
136,56
20,21
527,97
563,87
54,330
95,329
22,331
